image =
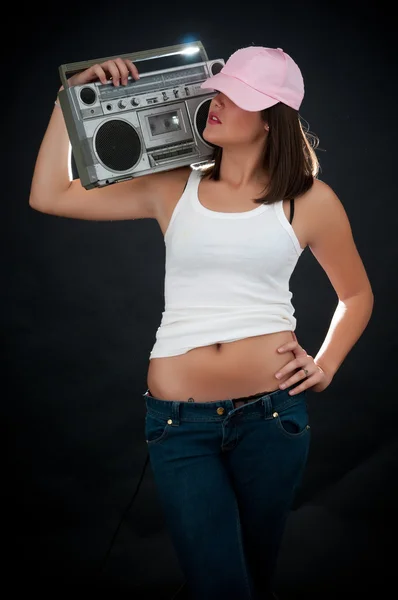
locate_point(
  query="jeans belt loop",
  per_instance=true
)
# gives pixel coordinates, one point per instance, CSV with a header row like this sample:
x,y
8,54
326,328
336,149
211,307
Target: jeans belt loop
x,y
175,412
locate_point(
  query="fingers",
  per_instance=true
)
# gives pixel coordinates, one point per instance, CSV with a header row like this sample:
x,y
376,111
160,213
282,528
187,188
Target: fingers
x,y
306,382
113,71
288,346
118,69
293,365
99,72
122,72
297,364
132,68
298,375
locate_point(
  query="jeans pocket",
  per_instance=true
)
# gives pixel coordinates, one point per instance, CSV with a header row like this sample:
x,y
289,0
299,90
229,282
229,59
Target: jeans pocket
x,y
156,429
293,419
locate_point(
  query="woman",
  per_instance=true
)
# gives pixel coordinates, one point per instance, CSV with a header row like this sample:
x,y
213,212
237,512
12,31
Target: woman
x,y
227,421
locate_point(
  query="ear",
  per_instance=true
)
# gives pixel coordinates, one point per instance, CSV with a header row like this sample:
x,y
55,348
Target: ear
x,y
266,126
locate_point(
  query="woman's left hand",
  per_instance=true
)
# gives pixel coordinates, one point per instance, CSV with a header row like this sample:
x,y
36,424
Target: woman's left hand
x,y
310,374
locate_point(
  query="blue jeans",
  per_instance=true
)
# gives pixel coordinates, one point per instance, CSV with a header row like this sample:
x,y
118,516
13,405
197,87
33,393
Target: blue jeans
x,y
226,476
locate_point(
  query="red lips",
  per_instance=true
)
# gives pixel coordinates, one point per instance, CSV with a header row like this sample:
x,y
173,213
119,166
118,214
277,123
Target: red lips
x,y
213,118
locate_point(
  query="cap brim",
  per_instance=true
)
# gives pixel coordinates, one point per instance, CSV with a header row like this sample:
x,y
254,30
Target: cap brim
x,y
239,92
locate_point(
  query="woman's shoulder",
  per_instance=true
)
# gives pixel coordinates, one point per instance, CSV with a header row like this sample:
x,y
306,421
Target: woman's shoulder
x,y
166,184
320,188
314,204
173,175
319,193
321,209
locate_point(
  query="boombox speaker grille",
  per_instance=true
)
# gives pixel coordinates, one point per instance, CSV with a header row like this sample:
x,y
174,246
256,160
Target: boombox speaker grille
x,y
201,120
216,68
118,145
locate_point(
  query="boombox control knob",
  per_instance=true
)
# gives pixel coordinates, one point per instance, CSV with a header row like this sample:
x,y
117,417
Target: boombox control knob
x,y
135,102
121,104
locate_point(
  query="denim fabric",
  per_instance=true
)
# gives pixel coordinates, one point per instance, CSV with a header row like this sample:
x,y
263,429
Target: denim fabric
x,y
226,477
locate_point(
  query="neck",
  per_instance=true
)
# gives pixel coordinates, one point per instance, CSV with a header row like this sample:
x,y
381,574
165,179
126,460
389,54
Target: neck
x,y
242,167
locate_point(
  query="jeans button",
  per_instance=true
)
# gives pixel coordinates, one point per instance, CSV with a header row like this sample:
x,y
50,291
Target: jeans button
x,y
220,410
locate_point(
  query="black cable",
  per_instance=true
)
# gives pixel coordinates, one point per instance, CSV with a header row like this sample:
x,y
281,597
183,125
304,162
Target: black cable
x,y
126,510
178,591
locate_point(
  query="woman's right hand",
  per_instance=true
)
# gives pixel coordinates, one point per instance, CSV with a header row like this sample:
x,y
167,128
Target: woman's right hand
x,y
117,69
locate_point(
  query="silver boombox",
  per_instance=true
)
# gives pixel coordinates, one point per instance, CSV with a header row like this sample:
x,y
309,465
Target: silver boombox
x,y
151,124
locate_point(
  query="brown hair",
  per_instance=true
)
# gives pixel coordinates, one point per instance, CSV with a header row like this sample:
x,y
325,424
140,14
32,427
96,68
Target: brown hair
x,y
289,156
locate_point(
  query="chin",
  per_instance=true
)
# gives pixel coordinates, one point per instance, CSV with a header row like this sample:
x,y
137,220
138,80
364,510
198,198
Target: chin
x,y
208,135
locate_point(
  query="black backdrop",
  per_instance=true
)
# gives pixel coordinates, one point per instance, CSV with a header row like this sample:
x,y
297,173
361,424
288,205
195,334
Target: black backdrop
x,y
81,302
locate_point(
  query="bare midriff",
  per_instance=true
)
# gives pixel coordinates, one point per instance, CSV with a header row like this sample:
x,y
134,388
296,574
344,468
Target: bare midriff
x,y
225,370
221,371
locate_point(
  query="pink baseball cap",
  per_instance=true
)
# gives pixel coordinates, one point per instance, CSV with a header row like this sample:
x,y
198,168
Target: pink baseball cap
x,y
256,78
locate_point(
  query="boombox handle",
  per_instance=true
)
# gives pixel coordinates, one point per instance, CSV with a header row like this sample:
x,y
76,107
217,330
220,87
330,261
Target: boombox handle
x,y
77,67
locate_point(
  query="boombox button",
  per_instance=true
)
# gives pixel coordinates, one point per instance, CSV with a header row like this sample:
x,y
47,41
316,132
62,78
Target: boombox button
x,y
121,104
135,102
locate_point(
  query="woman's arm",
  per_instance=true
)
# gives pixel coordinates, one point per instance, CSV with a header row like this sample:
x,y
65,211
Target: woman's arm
x,y
331,242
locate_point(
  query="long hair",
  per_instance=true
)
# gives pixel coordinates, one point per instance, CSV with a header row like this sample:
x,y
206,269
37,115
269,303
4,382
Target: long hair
x,y
289,157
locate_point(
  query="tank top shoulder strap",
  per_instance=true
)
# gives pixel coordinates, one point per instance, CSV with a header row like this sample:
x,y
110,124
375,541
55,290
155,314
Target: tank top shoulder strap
x,y
190,187
193,179
183,202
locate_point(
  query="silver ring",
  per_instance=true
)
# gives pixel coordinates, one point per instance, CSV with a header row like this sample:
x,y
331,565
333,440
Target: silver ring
x,y
306,372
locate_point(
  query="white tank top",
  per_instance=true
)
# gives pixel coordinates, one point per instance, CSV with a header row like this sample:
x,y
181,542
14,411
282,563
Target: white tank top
x,y
227,274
